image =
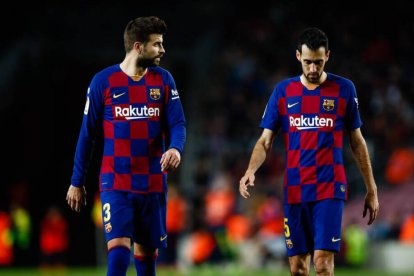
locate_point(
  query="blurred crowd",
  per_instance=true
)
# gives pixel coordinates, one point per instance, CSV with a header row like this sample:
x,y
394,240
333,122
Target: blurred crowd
x,y
242,60
23,242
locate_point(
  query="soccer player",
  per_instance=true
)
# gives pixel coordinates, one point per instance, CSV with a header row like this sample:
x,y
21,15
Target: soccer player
x,y
138,106
312,111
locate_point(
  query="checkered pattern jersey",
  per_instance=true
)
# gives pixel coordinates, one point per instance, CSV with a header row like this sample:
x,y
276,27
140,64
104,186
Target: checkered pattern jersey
x,y
312,123
136,118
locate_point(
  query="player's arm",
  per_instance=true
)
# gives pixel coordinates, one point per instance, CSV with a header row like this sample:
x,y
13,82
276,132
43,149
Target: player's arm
x,y
76,195
171,159
259,154
361,155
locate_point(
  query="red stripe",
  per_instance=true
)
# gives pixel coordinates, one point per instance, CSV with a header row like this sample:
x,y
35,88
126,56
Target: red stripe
x,y
142,258
117,246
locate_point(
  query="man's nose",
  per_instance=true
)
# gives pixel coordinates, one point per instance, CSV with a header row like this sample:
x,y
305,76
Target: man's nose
x,y
312,67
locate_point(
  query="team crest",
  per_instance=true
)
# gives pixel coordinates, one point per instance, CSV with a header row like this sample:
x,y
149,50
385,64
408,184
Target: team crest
x,y
342,188
289,243
108,227
328,105
155,93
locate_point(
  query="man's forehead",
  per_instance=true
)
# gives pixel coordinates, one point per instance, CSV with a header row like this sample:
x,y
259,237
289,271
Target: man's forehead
x,y
307,53
155,37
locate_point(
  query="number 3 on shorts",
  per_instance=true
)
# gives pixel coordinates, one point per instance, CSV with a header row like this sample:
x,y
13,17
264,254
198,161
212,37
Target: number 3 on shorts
x,y
107,208
287,231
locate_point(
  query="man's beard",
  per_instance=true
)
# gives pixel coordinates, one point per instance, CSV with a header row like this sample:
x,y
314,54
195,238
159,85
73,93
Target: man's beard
x,y
148,62
313,78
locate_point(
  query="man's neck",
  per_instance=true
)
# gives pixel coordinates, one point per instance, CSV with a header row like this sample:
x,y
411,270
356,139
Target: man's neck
x,y
129,67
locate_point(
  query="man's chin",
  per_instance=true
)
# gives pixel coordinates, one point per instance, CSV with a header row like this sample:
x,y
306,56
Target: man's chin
x,y
313,79
149,63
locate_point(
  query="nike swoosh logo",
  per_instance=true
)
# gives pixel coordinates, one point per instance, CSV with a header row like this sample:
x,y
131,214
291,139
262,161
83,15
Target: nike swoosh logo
x,y
335,240
163,238
119,95
291,105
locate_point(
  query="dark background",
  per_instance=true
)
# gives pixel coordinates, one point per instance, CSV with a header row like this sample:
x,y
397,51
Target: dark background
x,y
49,52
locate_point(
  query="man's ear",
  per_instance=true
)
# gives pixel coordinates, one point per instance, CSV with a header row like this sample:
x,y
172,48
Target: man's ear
x,y
298,55
138,46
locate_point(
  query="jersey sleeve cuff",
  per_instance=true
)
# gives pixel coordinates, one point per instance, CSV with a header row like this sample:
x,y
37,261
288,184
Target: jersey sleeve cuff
x,y
76,183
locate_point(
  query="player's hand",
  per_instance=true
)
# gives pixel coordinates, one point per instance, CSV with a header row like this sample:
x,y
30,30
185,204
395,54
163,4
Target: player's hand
x,y
246,181
76,197
170,160
371,205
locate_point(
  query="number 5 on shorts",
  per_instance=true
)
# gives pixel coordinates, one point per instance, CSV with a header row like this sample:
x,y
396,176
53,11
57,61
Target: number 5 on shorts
x,y
287,231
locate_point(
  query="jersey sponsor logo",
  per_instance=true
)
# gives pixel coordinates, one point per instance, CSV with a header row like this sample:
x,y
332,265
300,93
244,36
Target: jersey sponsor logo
x,y
328,104
174,94
134,113
335,240
292,105
118,95
303,122
155,93
163,238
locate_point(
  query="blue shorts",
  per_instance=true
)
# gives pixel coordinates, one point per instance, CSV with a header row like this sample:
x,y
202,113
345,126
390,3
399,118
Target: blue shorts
x,y
141,217
313,226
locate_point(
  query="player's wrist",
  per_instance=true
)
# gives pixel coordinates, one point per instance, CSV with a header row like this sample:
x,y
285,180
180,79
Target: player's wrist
x,y
372,191
76,185
249,172
177,151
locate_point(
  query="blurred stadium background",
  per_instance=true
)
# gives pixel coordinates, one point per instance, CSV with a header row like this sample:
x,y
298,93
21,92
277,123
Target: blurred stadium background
x,y
226,57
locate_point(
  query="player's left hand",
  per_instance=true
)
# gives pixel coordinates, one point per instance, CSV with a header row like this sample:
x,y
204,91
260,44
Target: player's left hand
x,y
76,197
371,204
170,160
246,181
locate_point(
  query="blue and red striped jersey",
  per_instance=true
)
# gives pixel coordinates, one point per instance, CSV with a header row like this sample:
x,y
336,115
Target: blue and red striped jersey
x,y
136,117
312,123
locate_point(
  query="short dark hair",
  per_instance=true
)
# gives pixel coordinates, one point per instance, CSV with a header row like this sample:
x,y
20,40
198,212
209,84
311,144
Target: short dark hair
x,y
140,28
314,38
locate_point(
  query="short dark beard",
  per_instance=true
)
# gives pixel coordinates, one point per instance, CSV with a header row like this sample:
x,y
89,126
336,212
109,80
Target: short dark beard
x,y
313,80
147,62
